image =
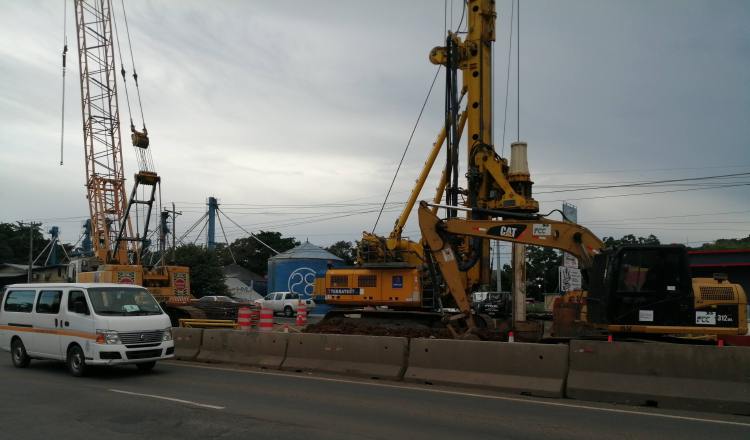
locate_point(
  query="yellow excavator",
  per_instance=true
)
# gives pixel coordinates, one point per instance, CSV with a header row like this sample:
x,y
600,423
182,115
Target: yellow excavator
x,y
645,289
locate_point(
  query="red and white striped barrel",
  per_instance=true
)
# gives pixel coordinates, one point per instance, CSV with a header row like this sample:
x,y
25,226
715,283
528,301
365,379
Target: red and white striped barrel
x,y
255,316
243,318
266,320
301,313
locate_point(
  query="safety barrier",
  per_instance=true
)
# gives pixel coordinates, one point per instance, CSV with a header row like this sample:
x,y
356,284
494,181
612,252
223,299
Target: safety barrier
x,y
265,350
705,378
266,320
207,323
187,342
243,318
214,346
533,369
368,356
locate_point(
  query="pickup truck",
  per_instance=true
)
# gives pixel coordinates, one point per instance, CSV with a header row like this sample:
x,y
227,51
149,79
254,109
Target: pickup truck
x,y
284,302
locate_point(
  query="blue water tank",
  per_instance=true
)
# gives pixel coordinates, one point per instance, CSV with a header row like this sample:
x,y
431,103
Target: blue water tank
x,y
295,270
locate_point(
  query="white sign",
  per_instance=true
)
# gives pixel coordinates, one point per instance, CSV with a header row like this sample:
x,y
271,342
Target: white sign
x,y
541,230
705,318
448,255
646,315
569,260
302,281
570,279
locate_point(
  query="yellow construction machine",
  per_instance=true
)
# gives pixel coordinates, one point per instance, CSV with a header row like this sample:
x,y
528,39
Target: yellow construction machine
x,y
644,289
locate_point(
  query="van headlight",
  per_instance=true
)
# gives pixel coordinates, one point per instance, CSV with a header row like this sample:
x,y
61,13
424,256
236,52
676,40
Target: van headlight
x,y
167,336
107,337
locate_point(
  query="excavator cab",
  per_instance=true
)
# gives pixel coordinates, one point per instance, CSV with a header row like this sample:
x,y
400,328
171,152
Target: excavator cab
x,y
641,286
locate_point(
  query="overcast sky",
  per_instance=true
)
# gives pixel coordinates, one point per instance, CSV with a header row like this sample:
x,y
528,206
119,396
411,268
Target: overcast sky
x,y
293,113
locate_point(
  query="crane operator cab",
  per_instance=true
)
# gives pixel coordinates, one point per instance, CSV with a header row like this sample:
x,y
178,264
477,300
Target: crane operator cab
x,y
643,289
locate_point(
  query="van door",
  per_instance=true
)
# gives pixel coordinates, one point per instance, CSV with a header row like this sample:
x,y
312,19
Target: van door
x,y
77,322
17,317
48,323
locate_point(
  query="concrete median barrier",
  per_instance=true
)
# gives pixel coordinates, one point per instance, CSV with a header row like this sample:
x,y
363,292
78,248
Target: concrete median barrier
x,y
703,378
187,342
265,350
366,356
532,369
214,346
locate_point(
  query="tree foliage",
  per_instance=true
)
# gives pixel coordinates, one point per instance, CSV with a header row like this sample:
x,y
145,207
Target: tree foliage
x,y
345,250
206,274
729,243
253,255
542,272
14,243
630,239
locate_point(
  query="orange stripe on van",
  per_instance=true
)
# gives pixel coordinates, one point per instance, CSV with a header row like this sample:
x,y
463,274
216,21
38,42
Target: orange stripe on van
x,y
49,331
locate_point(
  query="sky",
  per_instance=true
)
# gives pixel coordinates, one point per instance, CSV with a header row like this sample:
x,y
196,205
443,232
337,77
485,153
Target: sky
x,y
295,114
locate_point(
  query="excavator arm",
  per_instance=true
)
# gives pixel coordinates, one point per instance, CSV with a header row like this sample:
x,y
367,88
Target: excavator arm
x,y
525,229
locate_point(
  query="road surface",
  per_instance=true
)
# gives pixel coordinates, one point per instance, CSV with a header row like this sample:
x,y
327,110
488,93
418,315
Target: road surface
x,y
198,401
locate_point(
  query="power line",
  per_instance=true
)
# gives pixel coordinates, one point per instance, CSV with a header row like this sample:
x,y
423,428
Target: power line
x,y
627,185
645,193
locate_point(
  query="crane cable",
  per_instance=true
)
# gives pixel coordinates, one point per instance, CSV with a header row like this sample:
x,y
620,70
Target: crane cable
x,y
64,57
123,72
132,61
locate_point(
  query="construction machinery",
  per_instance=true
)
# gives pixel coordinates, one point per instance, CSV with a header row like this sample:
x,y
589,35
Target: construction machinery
x,y
452,260
644,290
117,247
393,272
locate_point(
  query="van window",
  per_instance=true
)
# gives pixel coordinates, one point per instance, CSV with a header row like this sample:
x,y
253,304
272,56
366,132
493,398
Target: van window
x,y
77,302
20,301
123,301
49,301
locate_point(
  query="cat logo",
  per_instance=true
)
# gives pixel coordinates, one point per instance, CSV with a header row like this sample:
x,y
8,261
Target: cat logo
x,y
507,231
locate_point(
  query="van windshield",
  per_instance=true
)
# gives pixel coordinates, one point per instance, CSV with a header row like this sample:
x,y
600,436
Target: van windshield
x,y
123,301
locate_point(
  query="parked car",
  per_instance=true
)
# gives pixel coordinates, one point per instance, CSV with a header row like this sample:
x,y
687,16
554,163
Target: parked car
x,y
284,302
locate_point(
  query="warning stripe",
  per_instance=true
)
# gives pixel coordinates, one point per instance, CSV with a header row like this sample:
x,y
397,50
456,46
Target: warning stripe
x,y
49,331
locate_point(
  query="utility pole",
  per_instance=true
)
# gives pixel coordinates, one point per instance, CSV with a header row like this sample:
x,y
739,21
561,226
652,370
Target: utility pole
x,y
174,233
32,227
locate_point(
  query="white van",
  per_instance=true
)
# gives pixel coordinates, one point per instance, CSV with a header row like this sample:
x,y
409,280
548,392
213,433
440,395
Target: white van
x,y
84,324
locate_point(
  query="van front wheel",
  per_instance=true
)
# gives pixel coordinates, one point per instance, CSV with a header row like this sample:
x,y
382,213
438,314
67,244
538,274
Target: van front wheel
x,y
76,361
18,353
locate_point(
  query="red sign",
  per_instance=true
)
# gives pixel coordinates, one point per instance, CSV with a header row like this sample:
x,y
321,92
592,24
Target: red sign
x,y
125,277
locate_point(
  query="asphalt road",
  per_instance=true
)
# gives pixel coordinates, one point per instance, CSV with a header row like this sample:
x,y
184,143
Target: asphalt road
x,y
197,401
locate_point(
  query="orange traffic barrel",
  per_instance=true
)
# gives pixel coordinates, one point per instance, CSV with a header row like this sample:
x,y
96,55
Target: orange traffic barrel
x,y
243,318
266,320
255,316
301,313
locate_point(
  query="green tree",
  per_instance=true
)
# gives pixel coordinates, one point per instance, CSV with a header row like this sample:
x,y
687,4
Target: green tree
x,y
630,239
14,243
206,274
344,250
542,272
252,255
728,243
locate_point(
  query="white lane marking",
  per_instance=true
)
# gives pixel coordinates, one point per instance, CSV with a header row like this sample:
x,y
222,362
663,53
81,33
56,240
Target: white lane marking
x,y
171,399
466,394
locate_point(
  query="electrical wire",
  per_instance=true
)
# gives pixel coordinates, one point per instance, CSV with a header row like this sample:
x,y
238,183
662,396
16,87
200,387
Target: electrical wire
x,y
408,143
507,76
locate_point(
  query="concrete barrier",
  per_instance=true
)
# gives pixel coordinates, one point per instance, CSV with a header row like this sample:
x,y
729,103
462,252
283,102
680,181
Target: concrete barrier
x,y
367,356
533,369
265,350
214,346
705,378
187,342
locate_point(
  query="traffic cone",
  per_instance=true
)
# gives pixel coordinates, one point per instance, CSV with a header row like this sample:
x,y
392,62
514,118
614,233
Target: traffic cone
x,y
609,338
510,337
721,342
301,313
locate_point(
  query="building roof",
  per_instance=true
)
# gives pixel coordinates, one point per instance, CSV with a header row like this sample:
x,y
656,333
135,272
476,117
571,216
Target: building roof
x,y
239,272
306,251
719,258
